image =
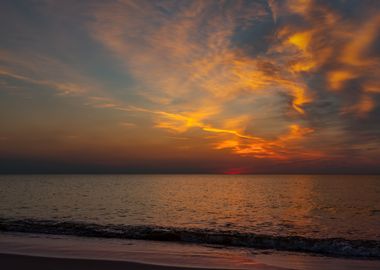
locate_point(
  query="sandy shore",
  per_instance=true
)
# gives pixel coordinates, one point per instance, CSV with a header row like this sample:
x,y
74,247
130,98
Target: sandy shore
x,y
28,251
54,252
21,262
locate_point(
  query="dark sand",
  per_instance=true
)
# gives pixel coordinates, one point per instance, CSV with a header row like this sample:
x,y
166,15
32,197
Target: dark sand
x,y
20,262
35,251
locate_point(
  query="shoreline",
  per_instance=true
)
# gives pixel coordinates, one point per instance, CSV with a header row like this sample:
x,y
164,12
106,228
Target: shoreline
x,y
120,254
20,262
336,247
38,251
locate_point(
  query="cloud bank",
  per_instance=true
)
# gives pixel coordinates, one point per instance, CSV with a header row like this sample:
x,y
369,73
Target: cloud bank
x,y
281,82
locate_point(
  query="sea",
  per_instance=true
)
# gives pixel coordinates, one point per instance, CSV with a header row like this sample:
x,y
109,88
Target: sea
x,y
323,217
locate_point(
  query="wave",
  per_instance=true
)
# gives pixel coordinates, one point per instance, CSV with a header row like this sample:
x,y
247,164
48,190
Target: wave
x,y
327,246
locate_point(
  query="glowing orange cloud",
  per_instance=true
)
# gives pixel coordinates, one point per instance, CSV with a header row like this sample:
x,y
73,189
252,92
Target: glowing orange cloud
x,y
279,148
281,80
207,71
329,39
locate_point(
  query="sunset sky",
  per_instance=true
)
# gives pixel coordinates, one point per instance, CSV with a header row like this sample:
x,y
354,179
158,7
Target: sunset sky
x,y
190,86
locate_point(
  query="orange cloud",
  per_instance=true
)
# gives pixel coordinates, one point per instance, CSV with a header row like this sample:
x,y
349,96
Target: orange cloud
x,y
174,61
359,41
364,105
207,66
193,78
279,148
247,81
337,78
330,44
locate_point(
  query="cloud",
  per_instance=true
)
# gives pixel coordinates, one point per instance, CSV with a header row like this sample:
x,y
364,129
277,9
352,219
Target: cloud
x,y
280,80
63,88
332,43
189,56
45,71
128,124
279,148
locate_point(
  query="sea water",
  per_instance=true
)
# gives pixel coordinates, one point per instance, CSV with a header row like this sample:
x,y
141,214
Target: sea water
x,y
330,215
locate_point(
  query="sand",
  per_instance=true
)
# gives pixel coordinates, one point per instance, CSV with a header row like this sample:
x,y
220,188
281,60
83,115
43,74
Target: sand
x,y
28,251
36,251
21,262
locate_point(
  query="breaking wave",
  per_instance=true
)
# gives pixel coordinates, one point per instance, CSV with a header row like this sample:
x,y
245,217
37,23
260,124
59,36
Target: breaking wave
x,y
326,246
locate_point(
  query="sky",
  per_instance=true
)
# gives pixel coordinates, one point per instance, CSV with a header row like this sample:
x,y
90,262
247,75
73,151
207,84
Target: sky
x,y
260,86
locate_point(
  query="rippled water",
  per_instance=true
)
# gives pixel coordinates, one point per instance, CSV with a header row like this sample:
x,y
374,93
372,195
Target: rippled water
x,y
310,206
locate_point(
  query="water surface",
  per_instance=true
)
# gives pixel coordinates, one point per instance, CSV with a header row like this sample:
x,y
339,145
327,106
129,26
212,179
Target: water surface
x,y
310,206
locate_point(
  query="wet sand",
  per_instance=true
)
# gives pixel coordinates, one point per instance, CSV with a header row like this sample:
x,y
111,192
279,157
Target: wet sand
x,y
36,251
22,262
26,251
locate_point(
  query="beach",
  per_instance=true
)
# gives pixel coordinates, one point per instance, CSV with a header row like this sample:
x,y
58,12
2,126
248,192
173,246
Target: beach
x,y
39,251
19,262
